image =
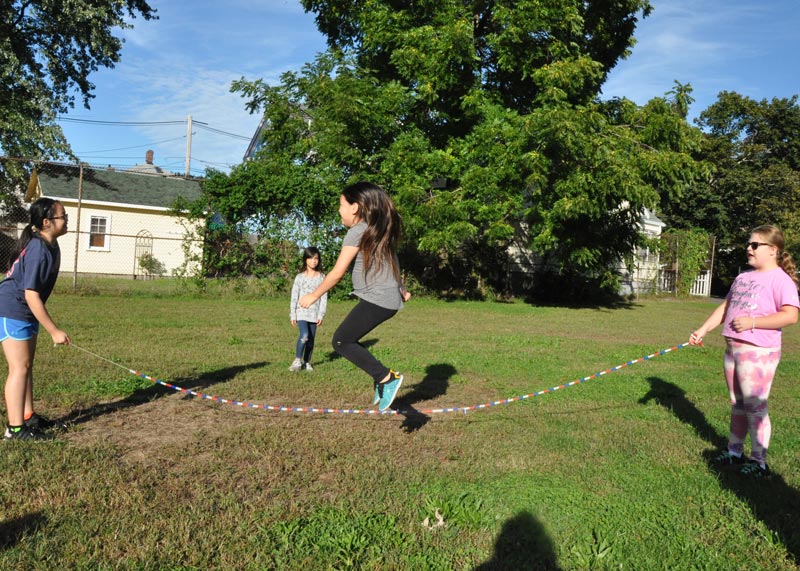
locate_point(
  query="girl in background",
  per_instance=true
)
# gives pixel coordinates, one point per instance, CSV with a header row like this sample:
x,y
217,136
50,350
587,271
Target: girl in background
x,y
759,304
307,318
23,294
370,247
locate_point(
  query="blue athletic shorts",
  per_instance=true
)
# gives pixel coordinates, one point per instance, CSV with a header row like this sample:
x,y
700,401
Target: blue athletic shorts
x,y
16,329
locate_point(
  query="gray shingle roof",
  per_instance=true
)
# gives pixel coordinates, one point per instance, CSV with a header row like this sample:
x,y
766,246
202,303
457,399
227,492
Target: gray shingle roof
x,y
117,186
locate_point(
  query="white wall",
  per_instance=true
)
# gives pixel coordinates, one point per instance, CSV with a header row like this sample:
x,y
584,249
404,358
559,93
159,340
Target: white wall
x,y
123,224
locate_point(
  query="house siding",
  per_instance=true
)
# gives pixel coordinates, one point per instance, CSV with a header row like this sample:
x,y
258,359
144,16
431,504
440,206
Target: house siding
x,y
119,257
130,203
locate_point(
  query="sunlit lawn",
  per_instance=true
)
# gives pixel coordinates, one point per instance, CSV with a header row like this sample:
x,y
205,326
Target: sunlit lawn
x,y
612,473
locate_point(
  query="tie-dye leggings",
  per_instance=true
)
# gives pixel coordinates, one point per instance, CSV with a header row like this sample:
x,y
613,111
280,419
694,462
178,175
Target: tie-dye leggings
x,y
749,371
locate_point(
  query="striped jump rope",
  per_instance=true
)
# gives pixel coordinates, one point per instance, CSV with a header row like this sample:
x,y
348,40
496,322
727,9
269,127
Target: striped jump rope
x,y
404,412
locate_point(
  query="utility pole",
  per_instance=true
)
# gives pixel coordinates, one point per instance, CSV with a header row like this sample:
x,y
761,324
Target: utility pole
x,y
77,230
188,145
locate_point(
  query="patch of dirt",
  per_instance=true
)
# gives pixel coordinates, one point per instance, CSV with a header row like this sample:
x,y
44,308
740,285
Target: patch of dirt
x,y
167,427
140,430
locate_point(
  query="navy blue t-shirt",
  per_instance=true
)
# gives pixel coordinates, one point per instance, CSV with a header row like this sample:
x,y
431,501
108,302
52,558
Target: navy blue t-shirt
x,y
36,268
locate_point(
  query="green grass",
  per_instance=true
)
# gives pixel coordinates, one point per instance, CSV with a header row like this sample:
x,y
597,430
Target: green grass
x,y
609,474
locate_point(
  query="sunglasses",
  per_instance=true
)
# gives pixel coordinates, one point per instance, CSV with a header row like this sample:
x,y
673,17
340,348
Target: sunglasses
x,y
755,245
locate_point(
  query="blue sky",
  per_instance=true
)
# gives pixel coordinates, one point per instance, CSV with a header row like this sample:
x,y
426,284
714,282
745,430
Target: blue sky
x,y
183,64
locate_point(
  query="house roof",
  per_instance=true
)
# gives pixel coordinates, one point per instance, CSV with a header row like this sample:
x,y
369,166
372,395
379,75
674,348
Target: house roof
x,y
649,218
110,186
256,142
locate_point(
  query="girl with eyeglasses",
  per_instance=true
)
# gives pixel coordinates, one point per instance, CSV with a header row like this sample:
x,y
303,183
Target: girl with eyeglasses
x,y
23,294
760,303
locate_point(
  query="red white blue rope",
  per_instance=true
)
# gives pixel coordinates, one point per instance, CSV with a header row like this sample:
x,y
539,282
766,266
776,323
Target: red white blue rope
x,y
326,410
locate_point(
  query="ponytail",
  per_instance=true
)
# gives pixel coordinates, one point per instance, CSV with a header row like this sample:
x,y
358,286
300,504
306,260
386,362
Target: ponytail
x,y
786,263
39,211
774,236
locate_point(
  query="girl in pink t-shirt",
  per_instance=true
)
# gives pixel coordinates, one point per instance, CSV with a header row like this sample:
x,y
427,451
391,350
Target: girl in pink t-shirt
x,y
761,301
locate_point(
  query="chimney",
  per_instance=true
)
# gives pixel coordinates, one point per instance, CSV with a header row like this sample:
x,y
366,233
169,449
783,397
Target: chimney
x,y
148,157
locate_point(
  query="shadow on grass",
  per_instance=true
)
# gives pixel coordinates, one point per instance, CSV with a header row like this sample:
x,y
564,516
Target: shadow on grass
x,y
771,500
142,396
522,545
432,385
12,531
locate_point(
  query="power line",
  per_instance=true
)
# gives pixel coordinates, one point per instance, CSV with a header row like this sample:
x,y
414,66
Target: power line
x,y
218,131
212,163
108,157
200,124
120,123
197,160
133,147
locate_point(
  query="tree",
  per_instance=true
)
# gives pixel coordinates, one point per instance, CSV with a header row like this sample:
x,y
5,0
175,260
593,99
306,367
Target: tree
x,y
483,120
754,147
47,51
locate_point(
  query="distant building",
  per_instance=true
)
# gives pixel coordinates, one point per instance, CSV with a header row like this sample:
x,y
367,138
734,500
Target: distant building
x,y
256,142
118,217
147,167
646,274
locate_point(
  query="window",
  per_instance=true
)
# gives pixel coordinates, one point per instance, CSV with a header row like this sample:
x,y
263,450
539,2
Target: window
x,y
98,233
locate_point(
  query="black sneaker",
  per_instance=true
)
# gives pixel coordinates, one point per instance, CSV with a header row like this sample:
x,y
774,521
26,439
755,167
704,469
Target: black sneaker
x,y
755,470
725,458
26,433
42,424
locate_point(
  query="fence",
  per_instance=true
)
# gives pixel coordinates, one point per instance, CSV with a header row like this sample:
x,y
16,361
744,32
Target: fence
x,y
700,287
121,223
675,258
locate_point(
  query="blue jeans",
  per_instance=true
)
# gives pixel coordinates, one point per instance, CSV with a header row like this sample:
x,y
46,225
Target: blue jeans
x,y
305,343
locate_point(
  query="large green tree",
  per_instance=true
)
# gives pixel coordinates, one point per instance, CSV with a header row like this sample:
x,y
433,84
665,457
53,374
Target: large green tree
x,y
482,118
48,49
754,147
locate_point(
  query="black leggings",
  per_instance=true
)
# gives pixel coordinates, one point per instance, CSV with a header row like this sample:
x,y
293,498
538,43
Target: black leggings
x,y
363,318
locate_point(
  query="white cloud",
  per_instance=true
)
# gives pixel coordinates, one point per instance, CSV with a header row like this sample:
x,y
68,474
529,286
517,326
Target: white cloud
x,y
714,45
183,64
203,94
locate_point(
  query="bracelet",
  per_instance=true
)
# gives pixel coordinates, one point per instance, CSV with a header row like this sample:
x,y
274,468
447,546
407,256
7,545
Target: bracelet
x,y
753,328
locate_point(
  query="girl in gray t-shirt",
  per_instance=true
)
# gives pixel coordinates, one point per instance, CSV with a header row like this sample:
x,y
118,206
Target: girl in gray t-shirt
x,y
369,250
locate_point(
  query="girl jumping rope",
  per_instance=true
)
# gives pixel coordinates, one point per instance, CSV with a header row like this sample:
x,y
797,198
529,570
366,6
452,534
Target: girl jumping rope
x,y
307,319
370,246
23,294
759,304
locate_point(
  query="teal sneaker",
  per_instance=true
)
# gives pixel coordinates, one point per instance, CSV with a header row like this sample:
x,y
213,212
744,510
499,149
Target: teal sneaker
x,y
377,398
390,389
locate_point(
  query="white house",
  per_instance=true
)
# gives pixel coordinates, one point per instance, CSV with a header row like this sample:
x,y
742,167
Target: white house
x,y
645,277
117,218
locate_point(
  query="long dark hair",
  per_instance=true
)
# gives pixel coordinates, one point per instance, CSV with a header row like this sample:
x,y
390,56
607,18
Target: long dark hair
x,y
774,236
384,225
39,211
310,252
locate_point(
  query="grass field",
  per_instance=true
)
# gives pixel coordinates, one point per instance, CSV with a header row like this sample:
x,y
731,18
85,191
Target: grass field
x,y
609,474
